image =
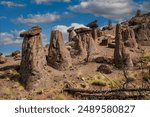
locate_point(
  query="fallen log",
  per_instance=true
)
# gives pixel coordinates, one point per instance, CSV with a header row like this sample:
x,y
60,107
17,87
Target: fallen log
x,y
75,90
108,97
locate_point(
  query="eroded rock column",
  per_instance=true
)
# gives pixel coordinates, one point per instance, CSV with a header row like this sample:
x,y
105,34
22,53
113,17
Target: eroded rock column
x,y
121,56
33,73
58,55
72,34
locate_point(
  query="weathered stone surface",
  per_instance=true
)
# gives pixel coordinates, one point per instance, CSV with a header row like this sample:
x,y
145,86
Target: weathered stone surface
x,y
82,30
129,37
36,30
85,45
142,34
72,33
81,46
93,25
33,73
58,55
104,69
121,57
92,47
141,26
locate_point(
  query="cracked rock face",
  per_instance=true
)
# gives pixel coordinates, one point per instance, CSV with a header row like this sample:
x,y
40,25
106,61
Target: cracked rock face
x,y
58,55
33,73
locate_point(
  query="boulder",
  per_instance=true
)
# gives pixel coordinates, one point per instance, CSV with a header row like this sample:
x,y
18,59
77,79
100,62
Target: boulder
x,y
104,60
58,55
104,69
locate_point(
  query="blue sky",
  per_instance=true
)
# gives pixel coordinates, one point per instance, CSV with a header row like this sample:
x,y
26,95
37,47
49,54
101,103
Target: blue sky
x,y
19,15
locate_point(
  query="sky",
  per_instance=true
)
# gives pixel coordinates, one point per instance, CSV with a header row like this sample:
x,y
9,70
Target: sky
x,y
17,16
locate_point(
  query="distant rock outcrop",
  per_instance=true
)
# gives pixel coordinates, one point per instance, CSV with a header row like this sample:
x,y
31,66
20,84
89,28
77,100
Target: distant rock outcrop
x,y
141,26
58,55
33,73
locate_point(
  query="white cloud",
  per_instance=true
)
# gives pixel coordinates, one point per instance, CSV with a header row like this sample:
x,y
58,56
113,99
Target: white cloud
x,y
63,29
48,1
3,17
115,9
38,18
11,38
11,4
45,39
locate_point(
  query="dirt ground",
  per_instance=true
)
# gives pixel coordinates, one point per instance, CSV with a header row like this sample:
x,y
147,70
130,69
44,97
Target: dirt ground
x,y
82,75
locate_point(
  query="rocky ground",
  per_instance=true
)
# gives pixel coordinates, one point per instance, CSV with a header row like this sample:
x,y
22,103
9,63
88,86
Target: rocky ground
x,y
116,57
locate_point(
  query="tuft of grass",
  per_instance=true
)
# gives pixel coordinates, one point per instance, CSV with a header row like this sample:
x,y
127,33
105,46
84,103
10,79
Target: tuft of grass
x,y
117,81
60,97
146,56
14,75
99,82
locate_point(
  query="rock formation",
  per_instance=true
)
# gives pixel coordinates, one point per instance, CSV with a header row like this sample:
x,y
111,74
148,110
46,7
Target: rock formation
x,y
33,73
81,46
81,41
129,37
92,48
84,43
72,34
2,59
141,26
121,57
93,25
58,55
